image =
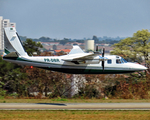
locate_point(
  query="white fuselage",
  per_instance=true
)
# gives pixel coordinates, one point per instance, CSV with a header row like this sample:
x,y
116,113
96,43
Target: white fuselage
x,y
114,64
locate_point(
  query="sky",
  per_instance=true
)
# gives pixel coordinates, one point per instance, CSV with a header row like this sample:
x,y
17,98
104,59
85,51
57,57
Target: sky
x,y
77,19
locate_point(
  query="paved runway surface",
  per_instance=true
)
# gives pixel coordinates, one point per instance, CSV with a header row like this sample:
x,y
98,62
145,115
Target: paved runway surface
x,y
74,106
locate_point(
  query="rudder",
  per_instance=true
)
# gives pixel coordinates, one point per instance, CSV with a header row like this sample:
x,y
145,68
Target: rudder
x,y
12,43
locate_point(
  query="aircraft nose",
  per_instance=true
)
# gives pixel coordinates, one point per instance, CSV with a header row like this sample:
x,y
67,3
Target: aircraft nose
x,y
140,67
144,68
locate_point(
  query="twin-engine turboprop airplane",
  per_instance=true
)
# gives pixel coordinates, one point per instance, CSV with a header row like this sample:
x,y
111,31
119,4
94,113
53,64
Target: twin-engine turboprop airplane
x,y
76,62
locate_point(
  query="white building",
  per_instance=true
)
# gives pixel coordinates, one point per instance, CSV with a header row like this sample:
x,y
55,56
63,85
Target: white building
x,y
4,23
89,45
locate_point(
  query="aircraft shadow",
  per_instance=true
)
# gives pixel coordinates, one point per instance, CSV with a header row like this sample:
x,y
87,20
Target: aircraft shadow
x,y
59,104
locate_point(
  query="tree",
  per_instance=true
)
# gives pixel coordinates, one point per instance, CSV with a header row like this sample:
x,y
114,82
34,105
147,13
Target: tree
x,y
2,91
5,67
135,48
47,81
54,47
64,41
95,39
11,78
31,46
15,81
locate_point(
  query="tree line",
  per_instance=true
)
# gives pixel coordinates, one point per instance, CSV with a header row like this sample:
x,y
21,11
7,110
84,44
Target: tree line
x,y
98,40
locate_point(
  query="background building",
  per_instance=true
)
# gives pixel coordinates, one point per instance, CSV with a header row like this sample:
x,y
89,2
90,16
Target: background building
x,y
89,45
4,23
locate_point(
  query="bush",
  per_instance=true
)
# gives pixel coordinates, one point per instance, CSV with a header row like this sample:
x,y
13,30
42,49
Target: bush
x,y
130,90
89,91
2,92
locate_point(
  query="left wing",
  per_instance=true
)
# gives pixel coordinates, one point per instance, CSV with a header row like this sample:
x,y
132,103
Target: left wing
x,y
77,56
84,57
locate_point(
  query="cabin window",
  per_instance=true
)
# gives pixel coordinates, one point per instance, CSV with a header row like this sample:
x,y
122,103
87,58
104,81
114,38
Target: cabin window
x,y
118,61
109,61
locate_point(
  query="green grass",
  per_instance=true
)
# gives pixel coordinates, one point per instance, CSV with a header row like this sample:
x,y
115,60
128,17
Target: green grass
x,y
62,100
74,115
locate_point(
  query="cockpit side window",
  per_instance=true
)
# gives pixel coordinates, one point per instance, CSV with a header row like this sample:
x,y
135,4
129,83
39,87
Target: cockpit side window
x,y
118,61
124,60
109,61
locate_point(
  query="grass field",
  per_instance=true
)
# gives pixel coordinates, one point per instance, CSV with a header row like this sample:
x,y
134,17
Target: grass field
x,y
62,100
74,115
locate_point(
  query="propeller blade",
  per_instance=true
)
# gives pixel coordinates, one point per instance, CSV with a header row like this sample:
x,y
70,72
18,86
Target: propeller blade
x,y
96,48
103,56
103,52
103,65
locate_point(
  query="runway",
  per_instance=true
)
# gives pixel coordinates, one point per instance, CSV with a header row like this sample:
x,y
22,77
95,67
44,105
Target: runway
x,y
74,106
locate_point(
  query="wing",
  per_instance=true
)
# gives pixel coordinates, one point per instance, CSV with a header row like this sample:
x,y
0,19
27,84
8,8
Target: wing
x,y
77,56
82,58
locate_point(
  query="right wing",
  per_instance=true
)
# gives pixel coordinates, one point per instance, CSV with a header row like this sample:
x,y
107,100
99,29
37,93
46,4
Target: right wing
x,y
77,56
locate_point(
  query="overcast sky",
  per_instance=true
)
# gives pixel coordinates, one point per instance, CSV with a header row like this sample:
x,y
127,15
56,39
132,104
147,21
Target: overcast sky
x,y
77,18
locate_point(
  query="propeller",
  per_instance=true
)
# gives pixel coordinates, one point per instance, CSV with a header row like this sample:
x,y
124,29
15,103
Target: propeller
x,y
103,53
103,60
97,48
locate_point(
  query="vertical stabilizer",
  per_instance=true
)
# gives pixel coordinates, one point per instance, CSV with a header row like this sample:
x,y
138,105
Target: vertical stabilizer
x,y
12,42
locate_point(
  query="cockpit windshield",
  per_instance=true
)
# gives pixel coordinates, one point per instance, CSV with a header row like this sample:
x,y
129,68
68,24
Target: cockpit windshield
x,y
120,61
